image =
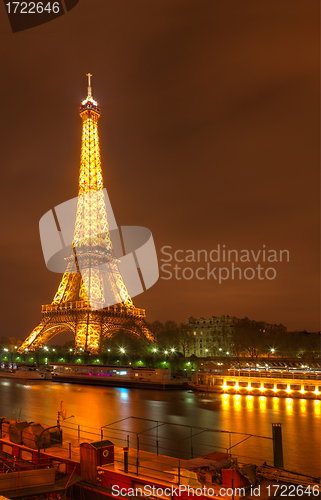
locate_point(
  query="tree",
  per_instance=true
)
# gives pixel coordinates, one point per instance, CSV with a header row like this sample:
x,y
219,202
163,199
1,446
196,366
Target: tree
x,y
167,336
156,327
10,343
248,337
184,338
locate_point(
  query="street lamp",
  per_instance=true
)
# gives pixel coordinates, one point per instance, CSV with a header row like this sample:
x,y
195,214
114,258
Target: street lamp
x,y
154,351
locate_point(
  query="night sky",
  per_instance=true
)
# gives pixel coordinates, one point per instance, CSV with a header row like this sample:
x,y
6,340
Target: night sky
x,y
209,135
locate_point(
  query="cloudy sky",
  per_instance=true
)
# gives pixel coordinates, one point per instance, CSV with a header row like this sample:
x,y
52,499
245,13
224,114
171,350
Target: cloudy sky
x,y
209,135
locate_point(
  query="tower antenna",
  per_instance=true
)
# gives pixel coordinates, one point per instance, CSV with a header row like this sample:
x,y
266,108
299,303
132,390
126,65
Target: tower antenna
x,y
89,75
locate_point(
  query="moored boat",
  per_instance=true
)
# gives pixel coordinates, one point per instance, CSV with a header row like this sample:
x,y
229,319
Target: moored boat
x,y
25,372
276,382
104,470
115,375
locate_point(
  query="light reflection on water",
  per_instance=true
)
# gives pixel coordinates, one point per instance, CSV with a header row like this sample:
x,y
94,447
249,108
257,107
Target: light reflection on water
x,y
97,406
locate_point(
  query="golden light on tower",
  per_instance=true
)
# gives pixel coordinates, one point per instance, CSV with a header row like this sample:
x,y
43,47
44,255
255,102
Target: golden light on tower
x,y
72,306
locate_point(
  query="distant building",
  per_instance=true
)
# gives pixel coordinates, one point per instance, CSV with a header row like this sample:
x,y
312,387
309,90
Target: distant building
x,y
213,336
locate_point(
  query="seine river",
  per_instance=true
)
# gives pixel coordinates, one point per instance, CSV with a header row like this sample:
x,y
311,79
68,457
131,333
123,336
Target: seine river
x,y
94,407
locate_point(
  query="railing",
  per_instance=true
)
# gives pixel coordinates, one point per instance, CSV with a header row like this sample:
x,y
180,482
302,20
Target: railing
x,y
157,439
64,306
153,436
178,441
273,374
143,447
116,309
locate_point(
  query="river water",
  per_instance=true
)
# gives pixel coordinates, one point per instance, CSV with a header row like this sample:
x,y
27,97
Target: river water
x,y
94,407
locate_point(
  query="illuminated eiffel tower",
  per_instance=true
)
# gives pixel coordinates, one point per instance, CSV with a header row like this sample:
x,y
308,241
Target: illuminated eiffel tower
x,y
71,308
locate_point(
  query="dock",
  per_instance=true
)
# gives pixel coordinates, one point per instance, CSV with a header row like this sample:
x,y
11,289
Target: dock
x,y
94,462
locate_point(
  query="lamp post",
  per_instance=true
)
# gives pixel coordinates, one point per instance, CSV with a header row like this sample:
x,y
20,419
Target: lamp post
x,y
154,354
122,352
172,364
272,351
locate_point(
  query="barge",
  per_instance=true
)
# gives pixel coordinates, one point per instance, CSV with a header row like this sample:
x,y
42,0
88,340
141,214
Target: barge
x,y
115,376
100,469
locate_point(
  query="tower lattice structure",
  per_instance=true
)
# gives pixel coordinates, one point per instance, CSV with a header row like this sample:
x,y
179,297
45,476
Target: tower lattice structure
x,y
78,305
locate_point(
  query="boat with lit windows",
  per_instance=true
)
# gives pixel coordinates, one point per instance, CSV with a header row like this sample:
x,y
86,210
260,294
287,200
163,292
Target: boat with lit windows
x,y
258,381
115,375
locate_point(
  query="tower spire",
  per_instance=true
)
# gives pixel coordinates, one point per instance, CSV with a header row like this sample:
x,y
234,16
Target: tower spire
x,y
89,104
89,95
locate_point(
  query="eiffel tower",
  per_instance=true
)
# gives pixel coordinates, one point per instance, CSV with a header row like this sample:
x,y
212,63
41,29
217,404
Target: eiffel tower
x,y
72,308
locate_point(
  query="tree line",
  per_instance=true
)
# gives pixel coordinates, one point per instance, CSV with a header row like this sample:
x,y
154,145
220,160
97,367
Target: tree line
x,y
246,338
